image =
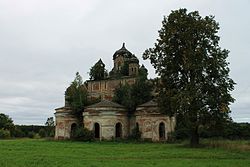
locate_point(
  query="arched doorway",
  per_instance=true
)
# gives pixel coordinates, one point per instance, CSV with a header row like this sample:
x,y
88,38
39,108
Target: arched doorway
x,y
118,130
73,129
162,131
97,130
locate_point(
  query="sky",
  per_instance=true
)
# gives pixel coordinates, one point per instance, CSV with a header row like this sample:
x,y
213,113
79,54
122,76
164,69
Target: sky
x,y
44,43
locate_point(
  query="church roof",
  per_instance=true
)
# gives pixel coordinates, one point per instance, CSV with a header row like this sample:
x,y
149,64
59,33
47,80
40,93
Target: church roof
x,y
123,51
105,103
133,59
150,103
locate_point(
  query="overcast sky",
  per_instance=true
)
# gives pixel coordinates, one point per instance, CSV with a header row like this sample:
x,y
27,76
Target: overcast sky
x,y
43,43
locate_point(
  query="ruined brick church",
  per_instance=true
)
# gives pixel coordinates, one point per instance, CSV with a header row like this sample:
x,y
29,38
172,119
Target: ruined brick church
x,y
110,120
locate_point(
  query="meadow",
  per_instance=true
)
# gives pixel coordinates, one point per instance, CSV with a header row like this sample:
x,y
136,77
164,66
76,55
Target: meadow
x,y
45,153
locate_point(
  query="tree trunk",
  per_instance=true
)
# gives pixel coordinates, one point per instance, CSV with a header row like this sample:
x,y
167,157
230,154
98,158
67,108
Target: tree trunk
x,y
194,141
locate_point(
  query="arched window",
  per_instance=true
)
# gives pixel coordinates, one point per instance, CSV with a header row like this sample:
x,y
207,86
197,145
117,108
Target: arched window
x,y
97,130
118,130
73,129
162,130
137,126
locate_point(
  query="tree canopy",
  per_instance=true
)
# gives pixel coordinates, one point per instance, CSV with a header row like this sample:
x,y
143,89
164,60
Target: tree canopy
x,y
76,95
195,83
131,96
6,122
50,128
50,122
98,71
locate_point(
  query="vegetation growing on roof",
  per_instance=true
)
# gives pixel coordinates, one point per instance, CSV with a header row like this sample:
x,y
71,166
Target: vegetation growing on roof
x,y
98,71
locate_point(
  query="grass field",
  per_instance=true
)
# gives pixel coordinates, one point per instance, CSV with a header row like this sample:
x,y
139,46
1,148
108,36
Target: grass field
x,y
43,153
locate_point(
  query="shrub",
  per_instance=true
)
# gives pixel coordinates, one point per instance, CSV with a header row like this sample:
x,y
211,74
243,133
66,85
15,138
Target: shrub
x,y
83,134
4,134
17,132
36,136
31,134
42,133
181,133
52,133
136,134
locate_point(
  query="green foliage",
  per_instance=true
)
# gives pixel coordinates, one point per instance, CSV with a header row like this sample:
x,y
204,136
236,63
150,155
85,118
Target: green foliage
x,y
49,128
123,96
143,73
136,134
231,130
25,129
141,91
194,73
76,95
4,134
6,122
237,131
50,122
125,69
17,132
83,134
32,131
42,133
31,134
36,136
131,96
98,71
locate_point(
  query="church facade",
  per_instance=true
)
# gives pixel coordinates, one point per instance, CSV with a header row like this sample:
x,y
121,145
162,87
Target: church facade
x,y
110,120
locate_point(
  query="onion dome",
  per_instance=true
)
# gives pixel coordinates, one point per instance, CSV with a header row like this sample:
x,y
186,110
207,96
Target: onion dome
x,y
123,51
133,59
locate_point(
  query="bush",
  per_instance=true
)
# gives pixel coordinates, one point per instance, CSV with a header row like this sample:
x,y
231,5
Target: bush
x,y
83,134
31,134
42,133
52,133
17,132
135,135
181,133
4,134
36,136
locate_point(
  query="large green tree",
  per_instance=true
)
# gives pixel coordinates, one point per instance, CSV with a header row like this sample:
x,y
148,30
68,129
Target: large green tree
x,y
195,83
76,95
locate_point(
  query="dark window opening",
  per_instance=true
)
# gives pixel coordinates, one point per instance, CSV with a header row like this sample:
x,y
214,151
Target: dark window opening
x,y
162,130
118,130
97,130
137,126
73,130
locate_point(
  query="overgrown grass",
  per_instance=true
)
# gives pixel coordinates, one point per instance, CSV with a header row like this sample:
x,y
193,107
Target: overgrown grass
x,y
236,145
44,153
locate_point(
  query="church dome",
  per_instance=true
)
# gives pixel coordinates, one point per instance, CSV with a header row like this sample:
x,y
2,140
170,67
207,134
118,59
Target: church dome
x,y
133,59
123,51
